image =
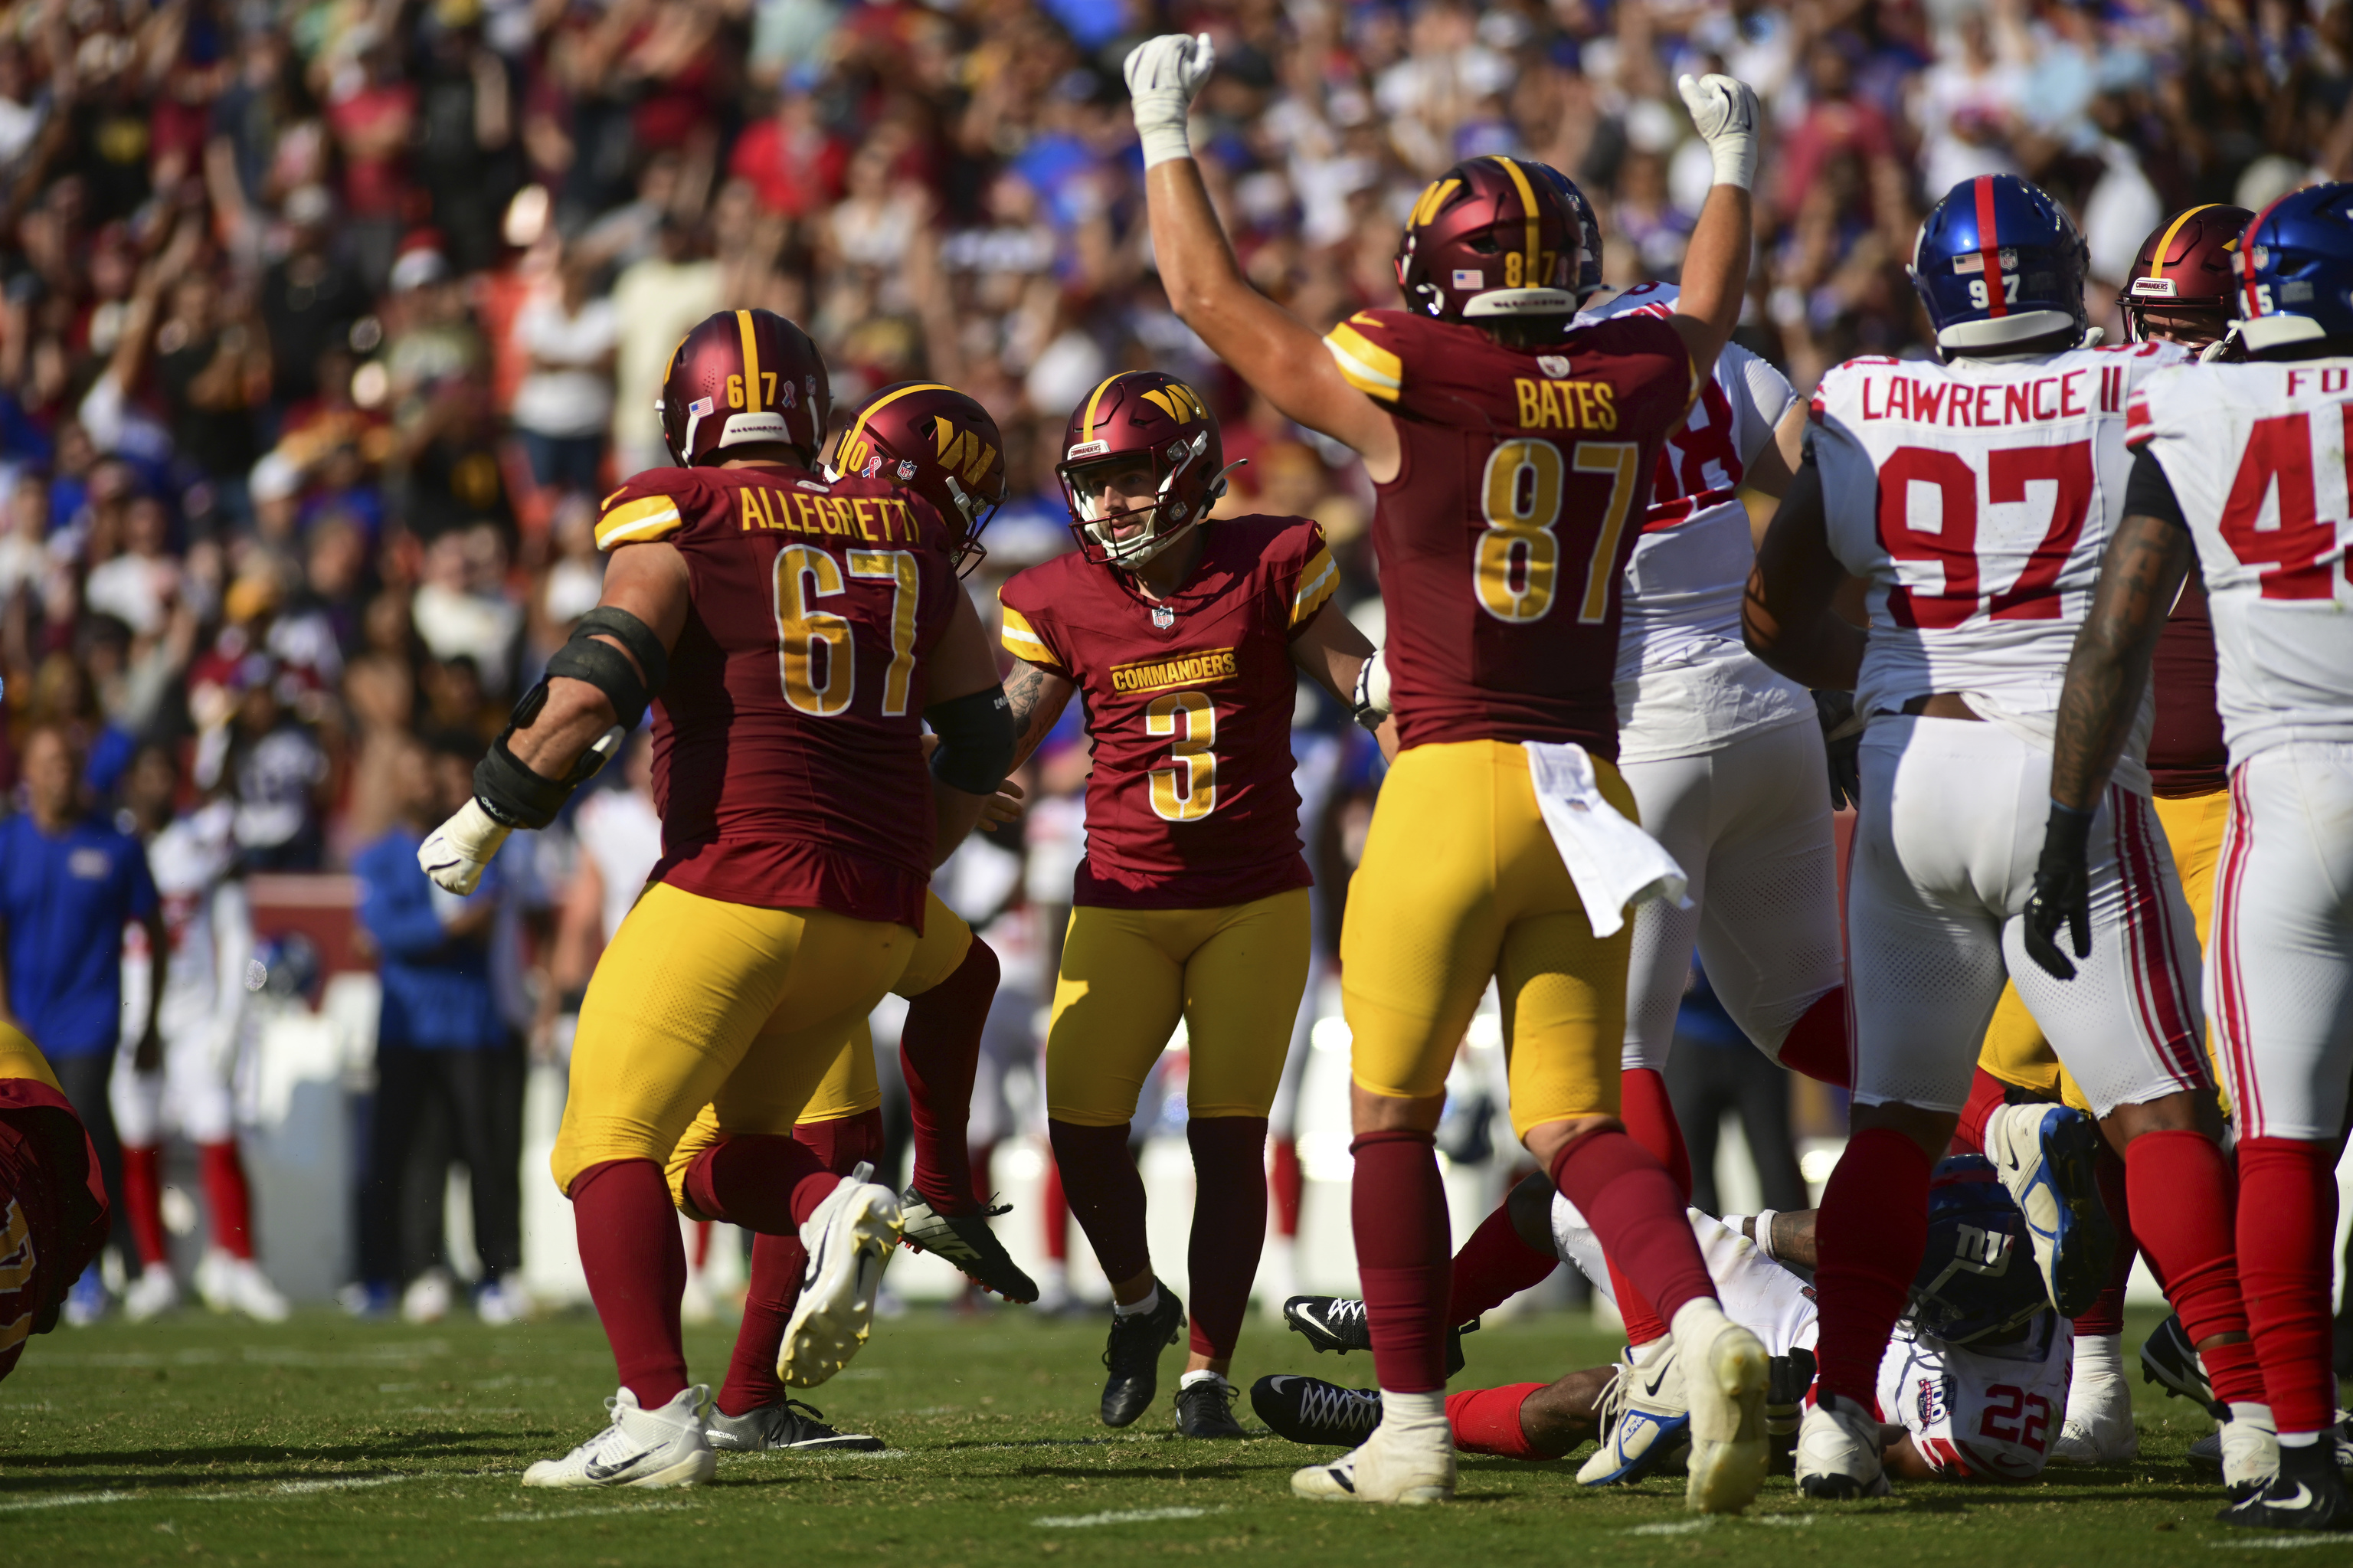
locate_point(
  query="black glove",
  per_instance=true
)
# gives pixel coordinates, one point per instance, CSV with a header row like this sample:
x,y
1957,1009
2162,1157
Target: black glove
x,y
2063,892
1842,739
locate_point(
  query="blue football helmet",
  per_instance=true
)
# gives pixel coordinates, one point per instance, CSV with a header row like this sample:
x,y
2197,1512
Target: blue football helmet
x,y
2296,269
1977,1279
1998,263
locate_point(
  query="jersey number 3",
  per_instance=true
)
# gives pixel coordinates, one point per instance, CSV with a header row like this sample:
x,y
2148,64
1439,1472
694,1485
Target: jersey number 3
x,y
822,684
1186,790
1518,565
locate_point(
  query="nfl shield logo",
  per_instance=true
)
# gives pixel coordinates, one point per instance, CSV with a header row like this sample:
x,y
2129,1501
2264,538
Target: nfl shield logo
x,y
1552,365
1162,617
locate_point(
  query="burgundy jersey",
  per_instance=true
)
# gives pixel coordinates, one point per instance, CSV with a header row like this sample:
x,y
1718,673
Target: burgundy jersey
x,y
788,752
2186,754
1504,538
53,1215
1189,703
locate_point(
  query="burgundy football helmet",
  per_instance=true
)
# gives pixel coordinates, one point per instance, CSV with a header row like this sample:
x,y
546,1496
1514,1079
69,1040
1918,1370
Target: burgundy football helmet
x,y
2186,269
1496,236
939,443
1141,416
742,377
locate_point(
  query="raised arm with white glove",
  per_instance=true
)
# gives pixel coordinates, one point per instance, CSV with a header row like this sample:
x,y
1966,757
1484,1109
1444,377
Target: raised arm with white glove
x,y
1162,75
1724,112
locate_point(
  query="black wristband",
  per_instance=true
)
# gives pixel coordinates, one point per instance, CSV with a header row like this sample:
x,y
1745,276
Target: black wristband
x,y
513,794
2068,831
976,749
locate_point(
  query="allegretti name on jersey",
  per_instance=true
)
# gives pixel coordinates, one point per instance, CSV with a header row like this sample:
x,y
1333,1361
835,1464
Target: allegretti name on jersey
x,y
1566,405
2070,396
1202,668
827,517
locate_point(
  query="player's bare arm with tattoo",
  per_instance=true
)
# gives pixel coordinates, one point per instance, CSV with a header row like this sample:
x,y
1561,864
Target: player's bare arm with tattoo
x,y
2140,577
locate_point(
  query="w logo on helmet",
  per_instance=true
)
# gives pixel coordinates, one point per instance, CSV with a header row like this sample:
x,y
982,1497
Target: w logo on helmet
x,y
1179,402
962,451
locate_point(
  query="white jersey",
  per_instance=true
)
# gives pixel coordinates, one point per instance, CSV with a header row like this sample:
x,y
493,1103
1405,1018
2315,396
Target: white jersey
x,y
206,924
619,831
1981,1412
1976,499
2257,458
1686,682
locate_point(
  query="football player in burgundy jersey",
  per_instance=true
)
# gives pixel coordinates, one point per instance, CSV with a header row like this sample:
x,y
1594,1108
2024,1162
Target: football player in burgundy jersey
x,y
944,445
1975,497
1183,639
1512,453
53,1213
2179,292
795,633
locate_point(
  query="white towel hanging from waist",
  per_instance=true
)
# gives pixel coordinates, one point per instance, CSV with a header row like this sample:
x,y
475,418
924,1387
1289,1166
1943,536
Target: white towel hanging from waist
x,y
1613,861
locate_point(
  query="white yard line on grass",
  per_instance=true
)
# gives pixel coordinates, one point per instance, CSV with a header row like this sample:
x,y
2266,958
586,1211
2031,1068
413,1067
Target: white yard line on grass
x,y
2280,1542
257,1494
526,1516
1125,1516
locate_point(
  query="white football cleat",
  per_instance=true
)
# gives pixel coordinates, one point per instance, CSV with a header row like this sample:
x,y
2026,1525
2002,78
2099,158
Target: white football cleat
x,y
2251,1453
152,1295
849,1240
663,1447
229,1284
426,1299
1838,1451
2046,1156
2098,1429
1408,1465
503,1301
1724,1374
1645,1416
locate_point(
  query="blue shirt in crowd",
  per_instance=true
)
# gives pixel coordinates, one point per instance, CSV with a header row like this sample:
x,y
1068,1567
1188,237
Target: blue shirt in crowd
x,y
65,900
437,993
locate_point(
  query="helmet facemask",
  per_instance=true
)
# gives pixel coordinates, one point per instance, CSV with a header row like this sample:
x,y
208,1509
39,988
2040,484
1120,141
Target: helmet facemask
x,y
1165,520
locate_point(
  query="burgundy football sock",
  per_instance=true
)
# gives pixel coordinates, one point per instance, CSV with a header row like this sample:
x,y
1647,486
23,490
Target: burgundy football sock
x,y
845,1142
1816,1044
1988,1094
1290,1185
2106,1313
939,1049
1229,1226
1397,1206
142,1201
1638,1217
1495,1266
1487,1421
770,1293
2287,1225
1054,1211
1650,1118
635,1264
760,1181
701,1258
1105,1194
228,1197
1868,1236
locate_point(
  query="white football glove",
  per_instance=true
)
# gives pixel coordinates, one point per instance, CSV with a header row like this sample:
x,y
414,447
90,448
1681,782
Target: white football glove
x,y
460,849
1724,112
1372,701
1162,75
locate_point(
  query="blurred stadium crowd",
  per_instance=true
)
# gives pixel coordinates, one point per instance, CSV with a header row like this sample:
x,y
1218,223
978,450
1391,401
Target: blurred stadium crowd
x,y
324,324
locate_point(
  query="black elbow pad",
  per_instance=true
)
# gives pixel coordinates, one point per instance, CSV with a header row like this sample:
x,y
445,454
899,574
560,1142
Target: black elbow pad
x,y
602,665
976,749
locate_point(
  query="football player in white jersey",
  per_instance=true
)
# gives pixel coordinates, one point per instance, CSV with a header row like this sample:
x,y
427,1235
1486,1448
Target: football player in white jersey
x,y
1972,1384
2245,467
1974,498
202,1021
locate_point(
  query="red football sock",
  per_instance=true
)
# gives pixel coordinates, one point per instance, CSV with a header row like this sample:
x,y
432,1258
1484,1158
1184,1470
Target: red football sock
x,y
939,1049
143,1199
1229,1226
1816,1044
1054,1211
1290,1185
1397,1207
2106,1313
1988,1094
635,1264
2287,1225
845,1142
2180,1202
228,1197
1495,1266
1105,1195
1638,1216
760,1181
770,1294
701,1244
1650,1118
1870,1235
1487,1421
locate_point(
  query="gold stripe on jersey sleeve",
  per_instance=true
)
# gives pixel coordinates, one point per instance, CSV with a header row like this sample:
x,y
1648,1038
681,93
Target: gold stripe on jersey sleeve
x,y
1022,641
1315,585
751,335
635,522
1365,364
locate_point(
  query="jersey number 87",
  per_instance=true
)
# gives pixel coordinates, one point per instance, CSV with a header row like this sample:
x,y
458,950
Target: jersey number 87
x,y
1514,569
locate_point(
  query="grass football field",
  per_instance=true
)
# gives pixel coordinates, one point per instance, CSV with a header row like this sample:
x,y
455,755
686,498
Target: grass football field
x,y
325,1440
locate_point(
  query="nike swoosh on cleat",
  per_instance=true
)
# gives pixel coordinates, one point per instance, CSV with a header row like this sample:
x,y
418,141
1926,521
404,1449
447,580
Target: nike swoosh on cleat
x,y
599,1472
2302,1500
1652,1387
1348,1482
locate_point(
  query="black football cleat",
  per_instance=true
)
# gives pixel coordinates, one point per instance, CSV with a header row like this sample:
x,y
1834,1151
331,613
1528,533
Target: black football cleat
x,y
786,1426
2307,1494
1205,1408
1309,1410
2169,1359
965,1241
1133,1357
1339,1323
